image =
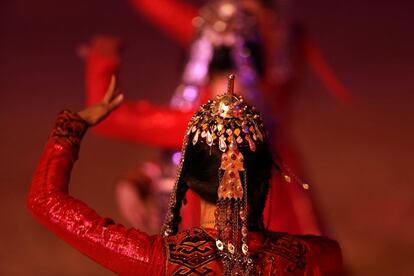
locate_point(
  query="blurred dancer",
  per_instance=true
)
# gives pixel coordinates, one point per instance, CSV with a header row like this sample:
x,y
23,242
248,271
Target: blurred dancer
x,y
139,200
231,36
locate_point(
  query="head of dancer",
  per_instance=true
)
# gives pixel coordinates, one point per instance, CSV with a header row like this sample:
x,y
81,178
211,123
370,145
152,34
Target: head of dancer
x,y
234,32
229,38
227,162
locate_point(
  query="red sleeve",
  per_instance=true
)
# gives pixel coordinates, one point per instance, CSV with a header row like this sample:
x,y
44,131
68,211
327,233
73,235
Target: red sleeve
x,y
98,72
140,121
174,17
122,250
325,257
324,72
145,123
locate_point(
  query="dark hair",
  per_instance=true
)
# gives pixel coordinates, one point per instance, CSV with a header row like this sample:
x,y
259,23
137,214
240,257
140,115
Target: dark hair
x,y
222,60
201,174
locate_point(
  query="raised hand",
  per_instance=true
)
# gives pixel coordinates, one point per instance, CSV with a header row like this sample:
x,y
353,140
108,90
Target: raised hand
x,y
96,113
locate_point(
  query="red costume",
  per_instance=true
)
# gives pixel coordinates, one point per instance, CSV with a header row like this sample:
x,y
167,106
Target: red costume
x,y
132,252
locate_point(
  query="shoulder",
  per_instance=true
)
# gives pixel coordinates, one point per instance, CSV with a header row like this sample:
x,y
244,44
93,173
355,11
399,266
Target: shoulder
x,y
304,243
319,244
290,251
325,253
316,253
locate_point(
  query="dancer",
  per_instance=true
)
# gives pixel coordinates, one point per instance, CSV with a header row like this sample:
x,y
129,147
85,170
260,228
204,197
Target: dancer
x,y
232,183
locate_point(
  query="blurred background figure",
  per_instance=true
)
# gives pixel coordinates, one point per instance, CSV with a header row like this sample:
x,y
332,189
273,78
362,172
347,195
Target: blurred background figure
x,y
139,200
255,39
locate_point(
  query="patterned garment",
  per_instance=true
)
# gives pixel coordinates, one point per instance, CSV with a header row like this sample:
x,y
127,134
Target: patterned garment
x,y
193,252
129,251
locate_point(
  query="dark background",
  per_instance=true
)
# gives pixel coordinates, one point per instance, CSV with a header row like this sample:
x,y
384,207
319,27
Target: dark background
x,y
360,157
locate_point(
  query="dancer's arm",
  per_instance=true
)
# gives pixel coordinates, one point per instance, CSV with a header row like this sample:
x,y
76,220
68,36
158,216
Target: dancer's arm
x,y
122,250
325,256
139,121
148,124
174,17
324,72
102,61
303,49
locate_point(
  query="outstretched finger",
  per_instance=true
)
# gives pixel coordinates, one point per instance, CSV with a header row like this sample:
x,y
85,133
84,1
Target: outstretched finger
x,y
116,102
111,90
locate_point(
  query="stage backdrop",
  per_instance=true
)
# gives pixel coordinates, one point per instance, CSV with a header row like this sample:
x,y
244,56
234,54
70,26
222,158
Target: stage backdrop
x,y
360,157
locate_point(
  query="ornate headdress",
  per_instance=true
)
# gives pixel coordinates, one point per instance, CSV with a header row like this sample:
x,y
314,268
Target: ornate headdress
x,y
221,23
227,123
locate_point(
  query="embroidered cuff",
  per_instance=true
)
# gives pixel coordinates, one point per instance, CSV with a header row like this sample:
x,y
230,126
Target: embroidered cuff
x,y
70,126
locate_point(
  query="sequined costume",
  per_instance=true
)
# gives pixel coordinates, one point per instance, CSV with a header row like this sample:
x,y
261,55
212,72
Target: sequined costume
x,y
128,251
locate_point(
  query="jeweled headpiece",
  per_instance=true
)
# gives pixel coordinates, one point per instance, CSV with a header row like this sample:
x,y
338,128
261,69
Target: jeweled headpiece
x,y
228,123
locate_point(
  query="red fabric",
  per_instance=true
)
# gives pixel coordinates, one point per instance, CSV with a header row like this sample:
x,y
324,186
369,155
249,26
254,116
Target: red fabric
x,y
194,252
128,251
190,212
289,209
174,17
123,250
140,121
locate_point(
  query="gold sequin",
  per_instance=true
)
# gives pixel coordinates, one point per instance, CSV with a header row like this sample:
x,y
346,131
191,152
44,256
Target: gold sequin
x,y
287,178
